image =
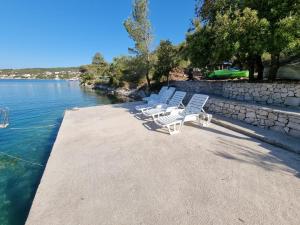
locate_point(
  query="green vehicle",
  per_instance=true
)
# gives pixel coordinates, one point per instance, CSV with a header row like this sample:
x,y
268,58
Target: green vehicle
x,y
229,73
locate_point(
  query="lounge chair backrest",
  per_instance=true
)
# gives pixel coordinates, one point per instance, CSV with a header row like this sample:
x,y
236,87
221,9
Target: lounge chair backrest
x,y
172,89
196,104
162,90
164,98
177,99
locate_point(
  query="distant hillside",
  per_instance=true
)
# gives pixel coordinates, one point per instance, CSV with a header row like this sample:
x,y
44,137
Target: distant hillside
x,y
40,70
40,73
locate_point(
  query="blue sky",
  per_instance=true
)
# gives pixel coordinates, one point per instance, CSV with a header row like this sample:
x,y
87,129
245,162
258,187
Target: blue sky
x,y
50,33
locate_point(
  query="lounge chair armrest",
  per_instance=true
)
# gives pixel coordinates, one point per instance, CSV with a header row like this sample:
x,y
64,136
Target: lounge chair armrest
x,y
191,117
170,109
160,106
152,102
176,111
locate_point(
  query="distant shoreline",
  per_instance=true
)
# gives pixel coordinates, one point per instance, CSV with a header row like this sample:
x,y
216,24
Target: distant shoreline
x,y
35,79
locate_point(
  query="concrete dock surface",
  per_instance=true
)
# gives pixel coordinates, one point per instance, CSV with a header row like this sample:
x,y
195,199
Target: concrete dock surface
x,y
108,167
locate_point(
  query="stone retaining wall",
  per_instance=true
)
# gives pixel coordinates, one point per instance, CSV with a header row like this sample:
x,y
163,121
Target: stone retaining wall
x,y
271,94
264,117
251,103
205,87
279,94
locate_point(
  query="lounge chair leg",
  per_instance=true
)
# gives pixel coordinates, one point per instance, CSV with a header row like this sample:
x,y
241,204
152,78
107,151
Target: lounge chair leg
x,y
209,119
175,130
180,125
206,119
155,116
169,128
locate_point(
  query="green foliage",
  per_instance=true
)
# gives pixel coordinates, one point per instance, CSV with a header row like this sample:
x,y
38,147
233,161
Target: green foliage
x,y
232,34
83,69
114,82
127,69
283,16
240,34
243,31
166,60
249,32
87,78
207,10
135,70
200,46
95,72
287,36
99,66
98,60
139,29
117,70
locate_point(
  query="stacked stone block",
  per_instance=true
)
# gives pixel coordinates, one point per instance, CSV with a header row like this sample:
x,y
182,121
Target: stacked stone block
x,y
277,94
264,117
280,94
266,105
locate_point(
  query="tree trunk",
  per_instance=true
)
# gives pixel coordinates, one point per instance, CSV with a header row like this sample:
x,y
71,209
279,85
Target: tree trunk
x,y
260,68
190,74
147,73
251,65
238,62
274,66
168,78
240,65
148,79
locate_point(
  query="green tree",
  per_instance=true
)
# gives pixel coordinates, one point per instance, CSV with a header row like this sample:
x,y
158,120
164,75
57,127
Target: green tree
x,y
139,29
87,78
241,34
199,47
166,60
98,59
283,17
126,69
290,33
258,25
83,69
207,10
99,66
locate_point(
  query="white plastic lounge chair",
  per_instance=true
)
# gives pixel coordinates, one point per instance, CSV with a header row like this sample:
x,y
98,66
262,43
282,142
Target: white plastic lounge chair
x,y
162,100
192,112
155,97
174,103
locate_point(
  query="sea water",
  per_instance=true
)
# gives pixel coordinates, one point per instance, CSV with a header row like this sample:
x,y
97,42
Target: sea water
x,y
36,109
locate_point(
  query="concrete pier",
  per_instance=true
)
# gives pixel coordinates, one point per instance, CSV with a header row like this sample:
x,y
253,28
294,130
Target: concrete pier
x,y
109,167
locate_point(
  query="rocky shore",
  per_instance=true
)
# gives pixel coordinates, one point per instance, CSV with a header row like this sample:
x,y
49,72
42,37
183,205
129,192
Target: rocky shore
x,y
122,93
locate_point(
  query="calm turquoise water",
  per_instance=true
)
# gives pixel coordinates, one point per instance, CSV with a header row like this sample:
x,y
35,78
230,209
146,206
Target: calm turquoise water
x,y
36,110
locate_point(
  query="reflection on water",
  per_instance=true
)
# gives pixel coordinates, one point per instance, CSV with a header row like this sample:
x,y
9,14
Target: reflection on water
x,y
36,111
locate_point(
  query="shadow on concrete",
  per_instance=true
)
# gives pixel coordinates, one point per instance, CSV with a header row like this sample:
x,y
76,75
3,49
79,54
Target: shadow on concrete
x,y
150,125
276,159
210,129
140,116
